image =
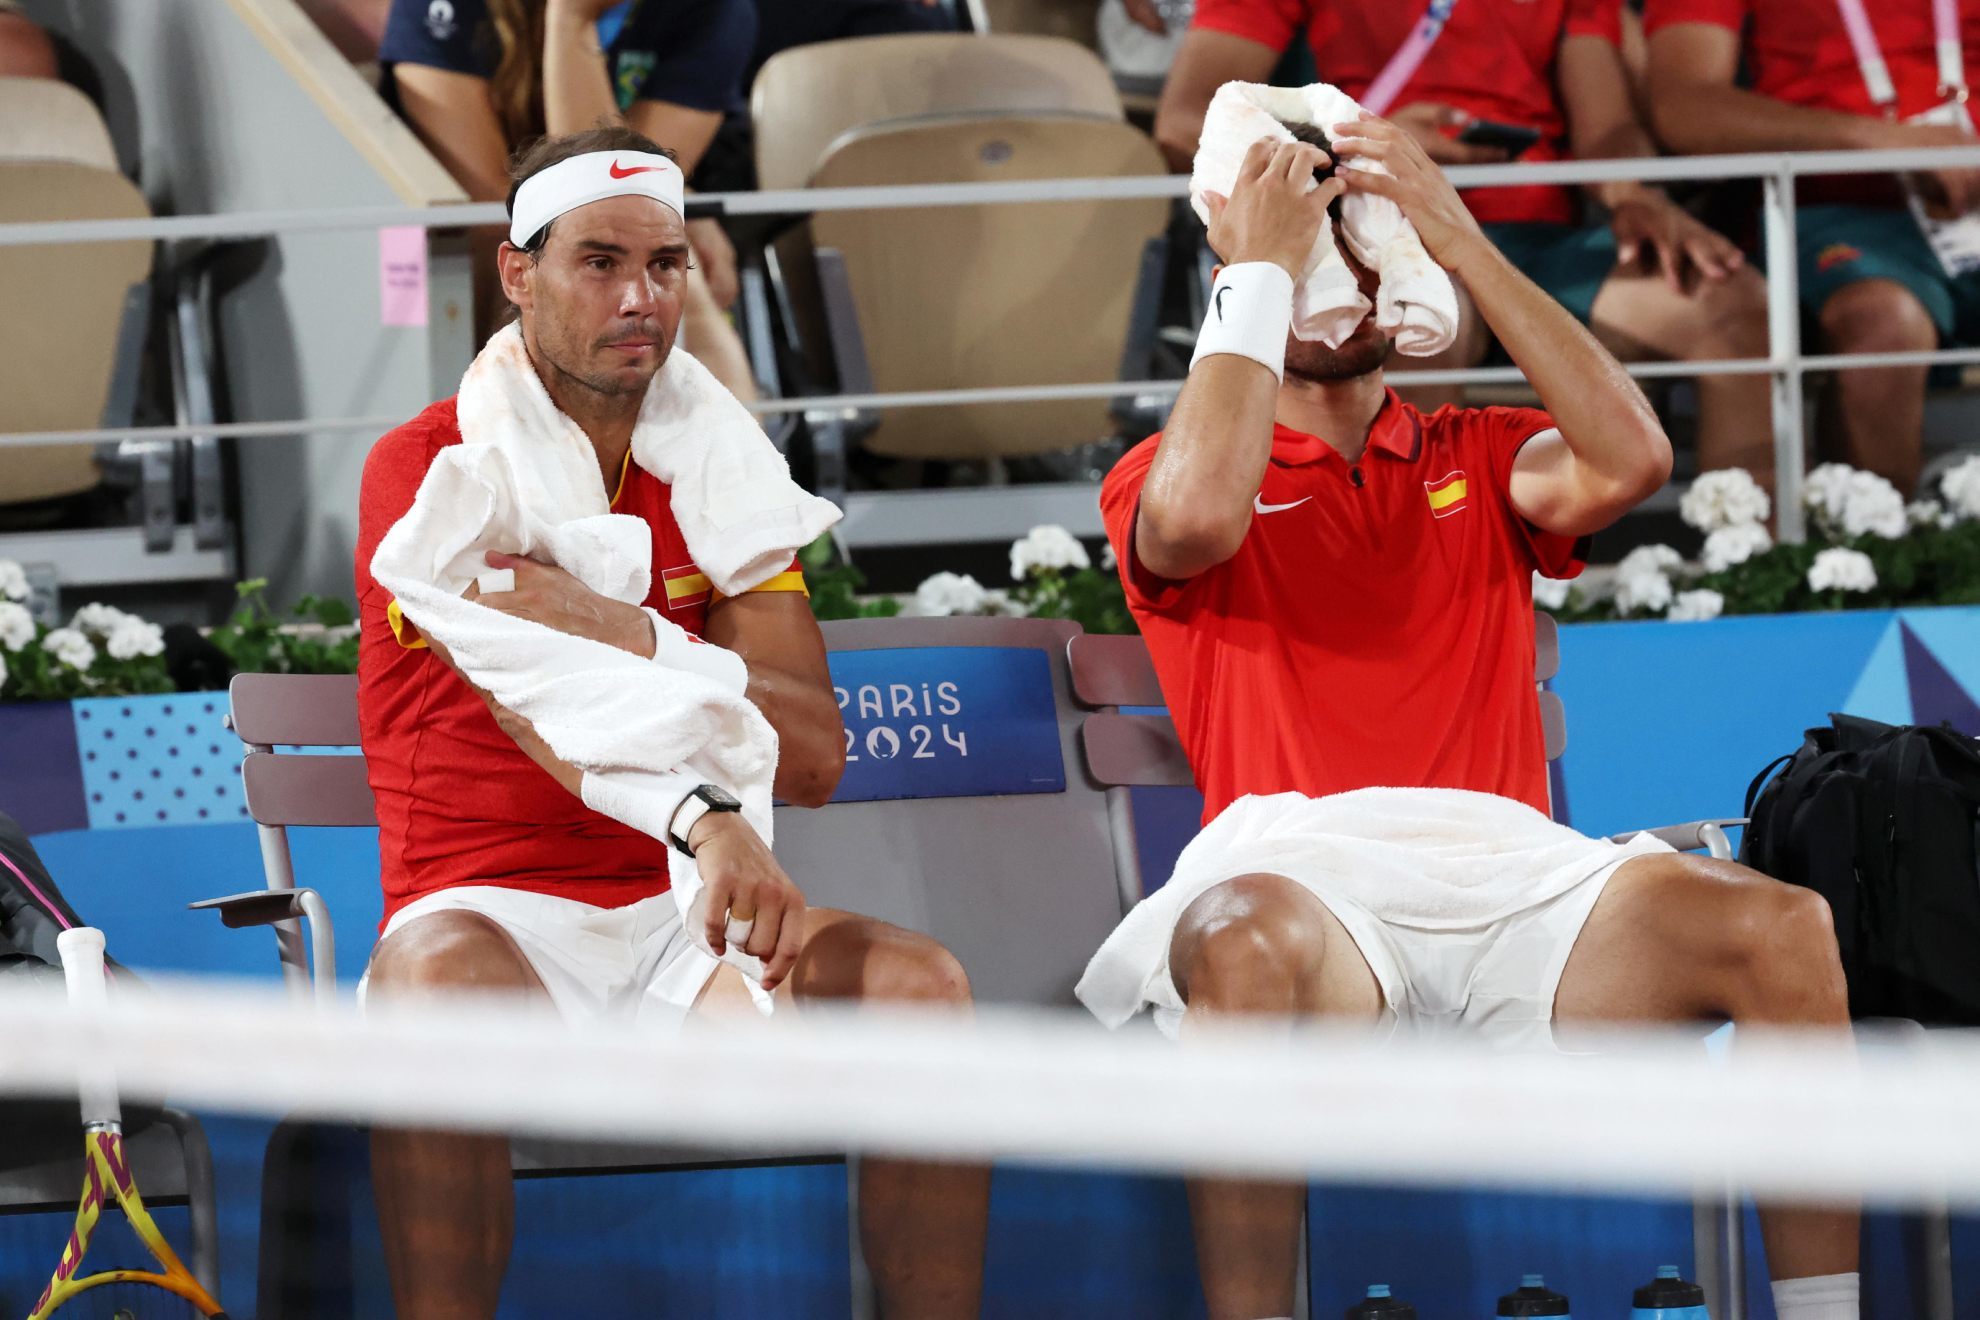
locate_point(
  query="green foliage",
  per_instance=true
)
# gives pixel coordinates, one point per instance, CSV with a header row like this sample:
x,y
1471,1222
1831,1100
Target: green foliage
x,y
255,642
1091,598
835,586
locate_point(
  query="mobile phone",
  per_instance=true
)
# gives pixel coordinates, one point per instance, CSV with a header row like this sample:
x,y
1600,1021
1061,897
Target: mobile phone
x,y
1513,139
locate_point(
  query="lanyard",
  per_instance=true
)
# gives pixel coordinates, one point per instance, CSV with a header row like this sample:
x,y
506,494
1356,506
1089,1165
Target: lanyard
x,y
1402,65
1877,76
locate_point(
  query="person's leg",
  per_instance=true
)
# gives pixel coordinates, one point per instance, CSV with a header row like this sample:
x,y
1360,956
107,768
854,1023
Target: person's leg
x,y
921,1226
1640,316
1879,413
1682,939
446,1201
1260,945
711,339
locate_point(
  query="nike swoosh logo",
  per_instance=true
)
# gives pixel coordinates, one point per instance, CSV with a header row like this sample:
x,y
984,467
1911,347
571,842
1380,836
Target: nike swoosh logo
x,y
620,172
1258,503
1220,304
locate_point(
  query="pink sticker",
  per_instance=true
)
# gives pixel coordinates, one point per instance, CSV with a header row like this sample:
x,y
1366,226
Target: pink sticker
x,y
402,275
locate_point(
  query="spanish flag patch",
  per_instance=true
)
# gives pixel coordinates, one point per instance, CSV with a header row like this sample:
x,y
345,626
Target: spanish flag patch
x,y
1446,494
686,586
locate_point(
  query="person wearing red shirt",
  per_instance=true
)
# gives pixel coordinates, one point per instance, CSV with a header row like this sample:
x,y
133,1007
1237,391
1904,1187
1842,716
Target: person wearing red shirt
x,y
1868,277
1650,280
1336,591
498,877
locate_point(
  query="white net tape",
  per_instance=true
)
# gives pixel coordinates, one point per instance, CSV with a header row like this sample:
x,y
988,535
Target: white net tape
x,y
1893,1121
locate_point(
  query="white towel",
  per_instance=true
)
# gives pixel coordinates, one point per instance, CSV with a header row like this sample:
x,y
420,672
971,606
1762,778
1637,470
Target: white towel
x,y
1426,858
1415,305
525,480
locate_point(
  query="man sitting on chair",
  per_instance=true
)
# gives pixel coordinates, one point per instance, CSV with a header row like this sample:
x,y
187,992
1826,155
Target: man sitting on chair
x,y
498,877
1336,591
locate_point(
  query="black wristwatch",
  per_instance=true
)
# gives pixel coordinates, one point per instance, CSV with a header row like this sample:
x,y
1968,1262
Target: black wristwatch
x,y
706,798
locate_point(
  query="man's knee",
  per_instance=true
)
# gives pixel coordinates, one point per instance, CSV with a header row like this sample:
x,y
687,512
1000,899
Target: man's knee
x,y
872,961
1873,316
1732,315
1248,943
918,970
449,951
1779,941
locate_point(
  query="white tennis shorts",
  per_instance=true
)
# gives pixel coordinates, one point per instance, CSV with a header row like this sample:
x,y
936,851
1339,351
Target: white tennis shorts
x,y
634,962
1465,906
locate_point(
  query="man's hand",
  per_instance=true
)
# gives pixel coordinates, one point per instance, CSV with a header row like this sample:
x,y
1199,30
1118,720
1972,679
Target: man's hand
x,y
743,885
1948,193
1271,215
1413,183
1431,123
1651,227
548,595
1147,15
717,256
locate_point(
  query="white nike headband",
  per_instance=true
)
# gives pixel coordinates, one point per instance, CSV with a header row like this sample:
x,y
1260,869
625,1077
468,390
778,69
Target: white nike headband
x,y
589,178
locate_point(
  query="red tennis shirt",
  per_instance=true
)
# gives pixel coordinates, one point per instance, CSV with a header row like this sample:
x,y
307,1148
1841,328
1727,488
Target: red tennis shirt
x,y
458,802
1374,629
1798,51
1496,60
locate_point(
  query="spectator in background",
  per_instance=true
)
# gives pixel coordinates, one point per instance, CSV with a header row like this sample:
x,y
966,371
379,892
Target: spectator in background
x,y
25,50
1651,281
477,78
1868,276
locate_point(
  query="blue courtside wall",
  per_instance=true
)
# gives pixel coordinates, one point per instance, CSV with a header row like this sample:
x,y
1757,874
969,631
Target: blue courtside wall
x,y
1667,722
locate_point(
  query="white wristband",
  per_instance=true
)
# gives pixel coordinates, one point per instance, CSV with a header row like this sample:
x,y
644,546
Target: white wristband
x,y
1250,313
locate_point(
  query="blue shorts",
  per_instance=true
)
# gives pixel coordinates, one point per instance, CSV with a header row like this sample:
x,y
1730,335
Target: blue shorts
x,y
1570,262
1843,245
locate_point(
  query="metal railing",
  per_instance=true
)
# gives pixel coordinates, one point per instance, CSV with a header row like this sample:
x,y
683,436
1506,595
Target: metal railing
x,y
1785,363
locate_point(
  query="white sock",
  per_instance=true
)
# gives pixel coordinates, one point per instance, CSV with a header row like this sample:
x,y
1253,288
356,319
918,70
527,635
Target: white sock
x,y
1824,1297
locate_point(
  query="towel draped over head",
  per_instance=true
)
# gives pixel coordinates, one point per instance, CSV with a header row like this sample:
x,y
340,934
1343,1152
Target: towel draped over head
x,y
1416,304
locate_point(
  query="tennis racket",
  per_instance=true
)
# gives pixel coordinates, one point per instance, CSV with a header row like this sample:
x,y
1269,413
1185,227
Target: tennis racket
x,y
118,1294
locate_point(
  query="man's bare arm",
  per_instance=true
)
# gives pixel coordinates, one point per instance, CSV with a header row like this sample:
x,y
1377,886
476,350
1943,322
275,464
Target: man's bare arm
x,y
1196,500
777,637
1613,451
1206,61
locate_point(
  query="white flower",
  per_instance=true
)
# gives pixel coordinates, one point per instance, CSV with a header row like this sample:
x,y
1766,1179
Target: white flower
x,y
1648,559
3,673
1726,498
98,619
13,581
948,593
1647,592
1046,548
1549,593
1960,487
1839,569
70,647
1734,545
16,626
1696,606
133,637
1928,513
1849,502
1109,561
999,602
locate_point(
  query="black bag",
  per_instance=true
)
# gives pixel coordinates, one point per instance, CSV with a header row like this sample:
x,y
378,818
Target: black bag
x,y
1884,822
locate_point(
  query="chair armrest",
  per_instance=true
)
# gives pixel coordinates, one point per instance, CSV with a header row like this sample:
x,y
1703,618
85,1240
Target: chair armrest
x,y
1707,834
259,907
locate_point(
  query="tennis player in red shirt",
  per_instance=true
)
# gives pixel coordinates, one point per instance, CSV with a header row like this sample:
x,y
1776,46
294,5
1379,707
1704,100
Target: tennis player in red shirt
x,y
1336,590
499,878
1868,276
1650,280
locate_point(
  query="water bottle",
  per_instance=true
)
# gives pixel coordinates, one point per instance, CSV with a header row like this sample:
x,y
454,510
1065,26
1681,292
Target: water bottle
x,y
1379,1305
1533,1298
1669,1297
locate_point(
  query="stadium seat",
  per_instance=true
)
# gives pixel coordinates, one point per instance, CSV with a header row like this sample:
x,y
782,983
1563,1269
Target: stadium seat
x,y
1072,20
1017,884
805,97
1031,295
73,368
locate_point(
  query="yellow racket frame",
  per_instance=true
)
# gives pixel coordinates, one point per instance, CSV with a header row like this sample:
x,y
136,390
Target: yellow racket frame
x,y
107,1174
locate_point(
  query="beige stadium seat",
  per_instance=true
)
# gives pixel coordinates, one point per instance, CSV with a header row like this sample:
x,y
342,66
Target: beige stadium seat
x,y
806,97
60,346
971,296
1071,19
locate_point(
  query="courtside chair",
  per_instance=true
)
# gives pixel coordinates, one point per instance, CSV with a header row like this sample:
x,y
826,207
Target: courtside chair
x,y
1128,751
1019,884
